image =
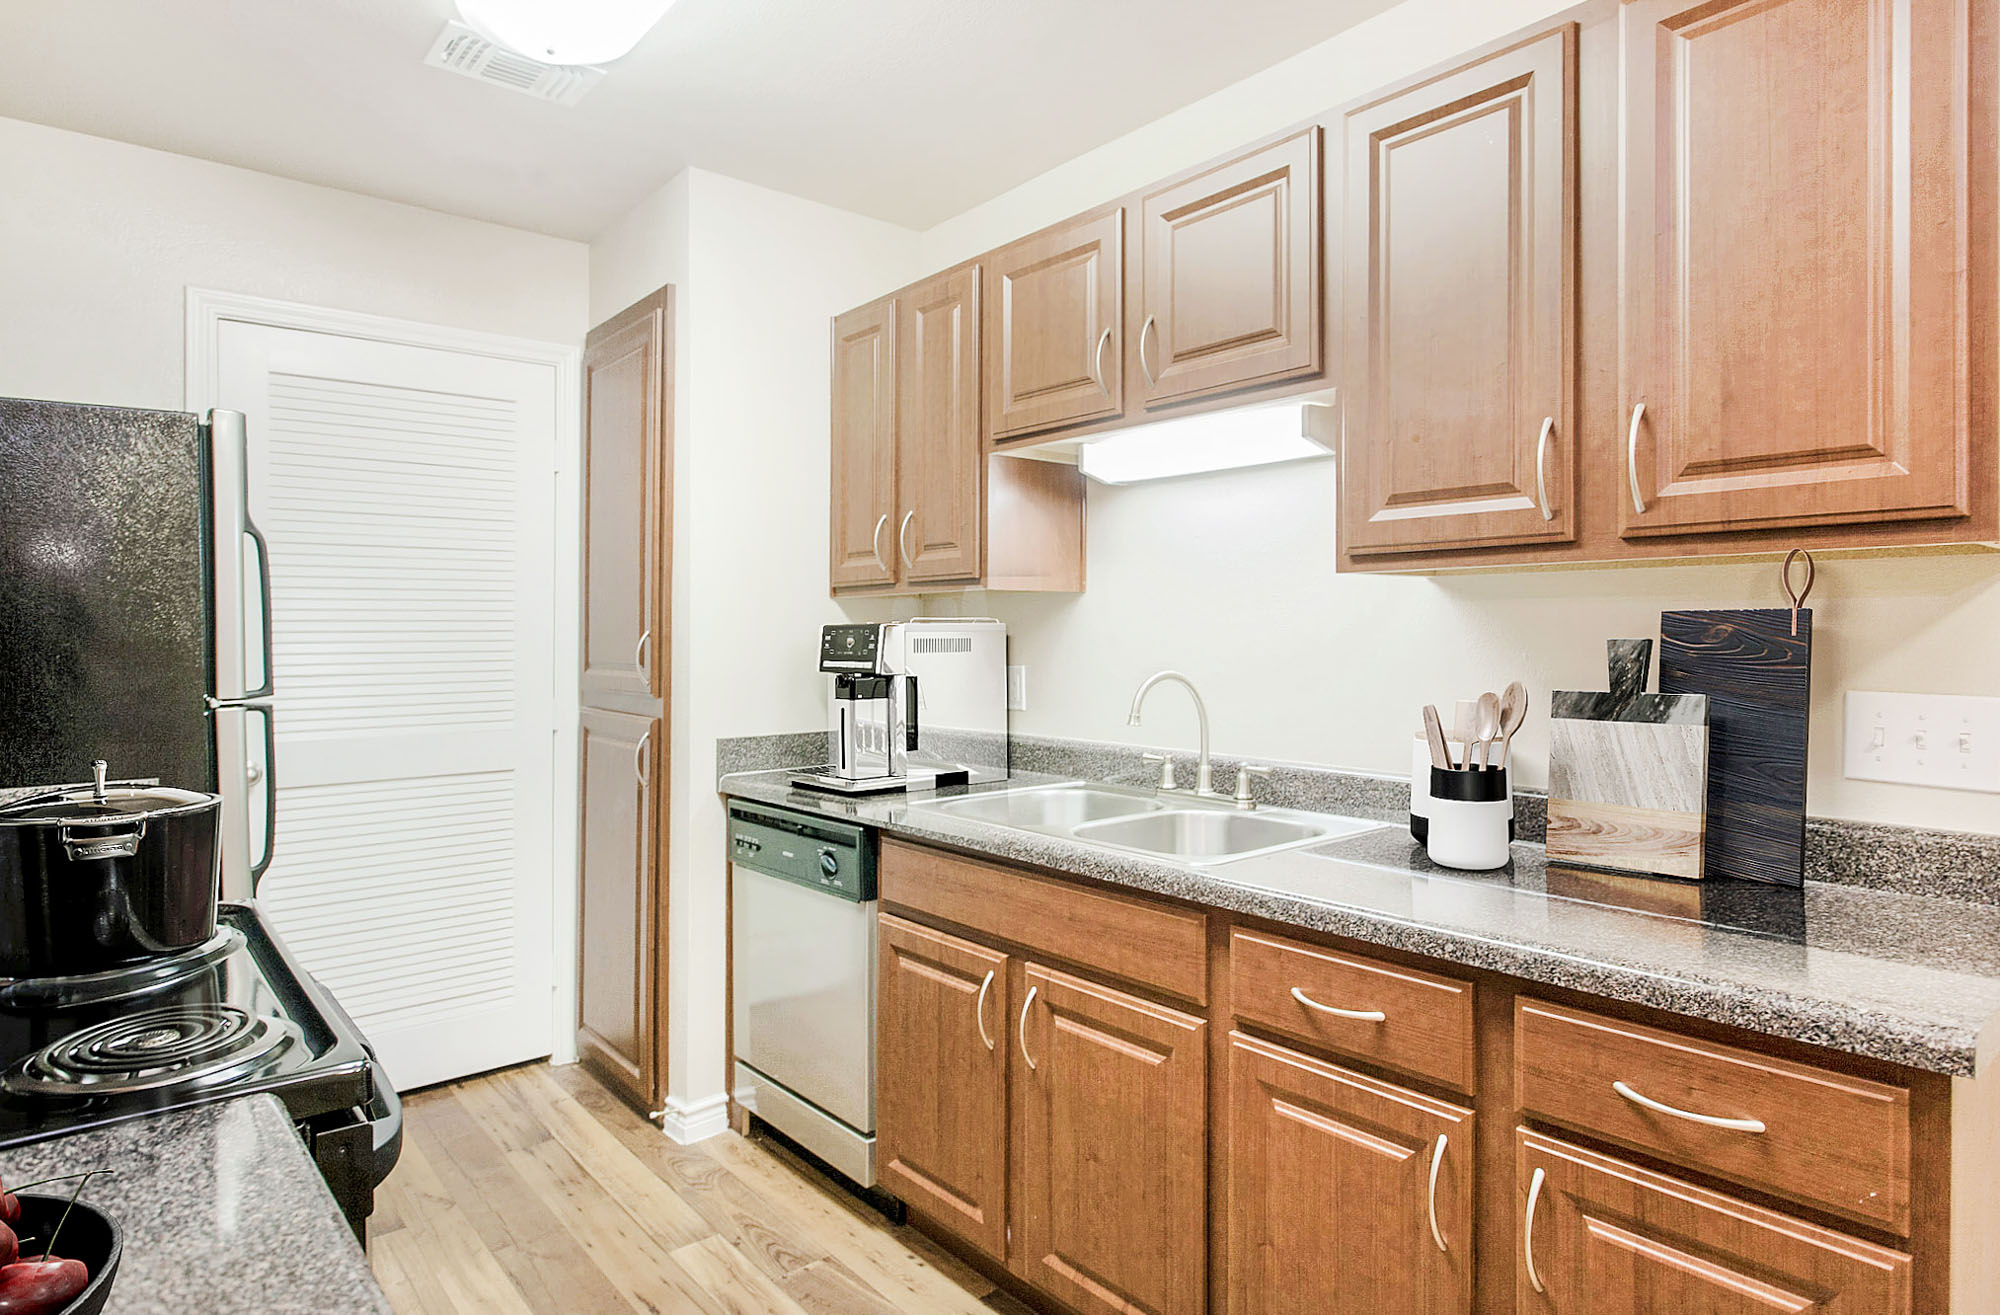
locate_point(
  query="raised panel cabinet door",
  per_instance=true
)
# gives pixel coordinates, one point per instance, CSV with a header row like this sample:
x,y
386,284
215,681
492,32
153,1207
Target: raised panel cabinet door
x,y
1345,1193
1109,1149
1794,285
864,446
1602,1237
1232,279
941,1103
625,418
940,451
617,925
1055,353
1458,307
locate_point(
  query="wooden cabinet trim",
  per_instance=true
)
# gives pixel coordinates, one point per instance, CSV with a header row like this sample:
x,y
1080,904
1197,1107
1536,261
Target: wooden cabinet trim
x,y
1836,1142
1131,939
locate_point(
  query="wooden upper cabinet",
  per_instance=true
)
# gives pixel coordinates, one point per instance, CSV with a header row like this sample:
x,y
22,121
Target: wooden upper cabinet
x,y
1230,289
1345,1194
618,904
864,445
1110,1147
1055,354
941,1104
940,451
625,419
1601,1237
1458,327
1794,287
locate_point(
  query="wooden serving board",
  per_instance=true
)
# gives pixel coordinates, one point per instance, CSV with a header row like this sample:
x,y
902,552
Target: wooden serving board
x,y
1758,678
1628,773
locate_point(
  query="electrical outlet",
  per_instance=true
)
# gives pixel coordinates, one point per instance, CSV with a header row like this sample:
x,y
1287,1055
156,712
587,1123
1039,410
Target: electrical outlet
x,y
1946,740
1017,689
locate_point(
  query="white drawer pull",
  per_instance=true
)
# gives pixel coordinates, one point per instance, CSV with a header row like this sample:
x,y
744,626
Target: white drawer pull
x,y
1437,1161
1709,1120
1358,1015
1528,1228
979,1010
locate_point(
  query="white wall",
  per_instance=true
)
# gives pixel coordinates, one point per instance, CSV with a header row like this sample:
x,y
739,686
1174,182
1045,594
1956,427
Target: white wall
x,y
757,274
101,241
1232,579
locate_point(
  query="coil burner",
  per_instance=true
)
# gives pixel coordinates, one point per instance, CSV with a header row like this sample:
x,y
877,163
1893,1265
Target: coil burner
x,y
181,1045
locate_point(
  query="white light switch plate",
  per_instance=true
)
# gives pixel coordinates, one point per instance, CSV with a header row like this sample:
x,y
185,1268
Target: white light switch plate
x,y
1946,740
1017,689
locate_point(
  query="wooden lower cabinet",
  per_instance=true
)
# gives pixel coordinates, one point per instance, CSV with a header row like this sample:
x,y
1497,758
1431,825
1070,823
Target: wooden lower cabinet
x,y
1345,1193
1110,1149
941,1112
618,908
1602,1237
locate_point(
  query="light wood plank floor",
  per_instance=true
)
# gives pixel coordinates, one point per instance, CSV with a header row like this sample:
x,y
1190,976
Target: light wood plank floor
x,y
536,1190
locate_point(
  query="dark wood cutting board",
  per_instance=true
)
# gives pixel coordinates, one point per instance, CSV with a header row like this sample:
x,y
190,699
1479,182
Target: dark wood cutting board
x,y
1758,678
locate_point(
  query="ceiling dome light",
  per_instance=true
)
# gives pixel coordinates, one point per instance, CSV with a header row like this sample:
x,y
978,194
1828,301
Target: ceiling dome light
x,y
565,31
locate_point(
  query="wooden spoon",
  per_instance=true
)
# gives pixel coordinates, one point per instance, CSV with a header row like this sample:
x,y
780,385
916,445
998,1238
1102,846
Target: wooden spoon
x,y
1489,729
1513,711
1434,732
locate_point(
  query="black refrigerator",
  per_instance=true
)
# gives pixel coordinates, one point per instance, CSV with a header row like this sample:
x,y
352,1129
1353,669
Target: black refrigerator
x,y
135,618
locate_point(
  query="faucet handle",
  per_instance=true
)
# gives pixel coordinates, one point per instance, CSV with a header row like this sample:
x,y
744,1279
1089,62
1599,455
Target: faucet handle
x,y
1243,797
1166,763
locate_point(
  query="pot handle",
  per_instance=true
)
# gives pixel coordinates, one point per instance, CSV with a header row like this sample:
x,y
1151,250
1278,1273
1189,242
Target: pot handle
x,y
118,844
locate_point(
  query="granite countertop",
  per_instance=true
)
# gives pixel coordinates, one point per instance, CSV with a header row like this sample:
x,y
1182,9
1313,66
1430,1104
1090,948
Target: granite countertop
x,y
222,1209
1912,979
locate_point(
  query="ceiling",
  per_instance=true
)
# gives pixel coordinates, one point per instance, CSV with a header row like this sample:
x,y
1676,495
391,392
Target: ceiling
x,y
908,110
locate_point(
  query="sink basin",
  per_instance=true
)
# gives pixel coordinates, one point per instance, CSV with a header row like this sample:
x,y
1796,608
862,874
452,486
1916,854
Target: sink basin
x,y
1204,836
1058,809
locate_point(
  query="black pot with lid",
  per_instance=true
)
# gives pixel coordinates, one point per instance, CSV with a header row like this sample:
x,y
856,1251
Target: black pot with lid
x,y
99,876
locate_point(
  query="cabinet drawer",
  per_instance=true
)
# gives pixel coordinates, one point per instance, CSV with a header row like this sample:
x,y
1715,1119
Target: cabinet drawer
x,y
1815,1136
1133,939
1396,1017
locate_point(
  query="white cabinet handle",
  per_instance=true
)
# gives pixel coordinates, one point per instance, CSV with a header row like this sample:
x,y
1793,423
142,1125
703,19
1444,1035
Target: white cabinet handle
x,y
1528,1229
1437,1159
1632,459
1708,1120
980,1008
1358,1015
1097,364
639,758
1144,368
639,653
875,543
1026,1005
1542,468
902,536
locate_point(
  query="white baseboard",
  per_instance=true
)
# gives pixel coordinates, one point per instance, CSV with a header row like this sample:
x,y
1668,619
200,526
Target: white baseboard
x,y
693,1121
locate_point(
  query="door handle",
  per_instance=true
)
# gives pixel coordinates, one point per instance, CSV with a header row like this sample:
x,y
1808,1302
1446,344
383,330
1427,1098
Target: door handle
x,y
875,542
1542,468
1632,459
902,536
1437,1160
639,758
1097,364
1022,1030
1144,367
639,654
979,1010
1528,1228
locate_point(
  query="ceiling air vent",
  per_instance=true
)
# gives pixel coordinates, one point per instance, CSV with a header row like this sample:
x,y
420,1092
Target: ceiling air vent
x,y
463,50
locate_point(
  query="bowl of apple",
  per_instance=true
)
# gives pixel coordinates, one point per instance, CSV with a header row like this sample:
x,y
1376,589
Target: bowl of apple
x,y
58,1254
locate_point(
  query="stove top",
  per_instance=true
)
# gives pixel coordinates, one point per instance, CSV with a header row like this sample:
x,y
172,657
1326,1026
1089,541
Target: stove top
x,y
232,1017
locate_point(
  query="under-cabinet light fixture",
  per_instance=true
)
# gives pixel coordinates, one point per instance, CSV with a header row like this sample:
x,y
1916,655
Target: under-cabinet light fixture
x,y
565,31
1218,440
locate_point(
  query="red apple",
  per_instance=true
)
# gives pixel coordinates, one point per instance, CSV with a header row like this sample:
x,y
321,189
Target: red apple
x,y
10,1246
10,1208
40,1287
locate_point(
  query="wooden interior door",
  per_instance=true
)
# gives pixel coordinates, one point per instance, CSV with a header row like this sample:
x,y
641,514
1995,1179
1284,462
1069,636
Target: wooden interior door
x,y
940,451
1109,1149
1458,344
1231,274
1602,1237
625,420
864,445
1794,299
618,897
1345,1194
941,1101
1053,340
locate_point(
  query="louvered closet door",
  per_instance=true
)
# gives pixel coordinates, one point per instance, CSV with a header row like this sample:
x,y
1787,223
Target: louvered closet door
x,y
407,496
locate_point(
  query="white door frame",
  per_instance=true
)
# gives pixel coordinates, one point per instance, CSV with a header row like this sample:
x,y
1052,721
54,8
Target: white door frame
x,y
208,310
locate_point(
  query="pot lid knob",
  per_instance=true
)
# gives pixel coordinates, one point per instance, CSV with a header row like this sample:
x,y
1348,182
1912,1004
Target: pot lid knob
x,y
98,771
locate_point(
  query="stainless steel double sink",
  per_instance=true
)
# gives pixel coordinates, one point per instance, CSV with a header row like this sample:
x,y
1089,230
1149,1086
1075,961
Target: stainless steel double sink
x,y
1187,828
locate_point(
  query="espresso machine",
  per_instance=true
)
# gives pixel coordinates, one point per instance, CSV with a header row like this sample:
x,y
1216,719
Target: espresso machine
x,y
916,705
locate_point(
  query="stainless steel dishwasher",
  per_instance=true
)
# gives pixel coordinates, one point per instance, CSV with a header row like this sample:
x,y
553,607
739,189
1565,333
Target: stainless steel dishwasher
x,y
803,940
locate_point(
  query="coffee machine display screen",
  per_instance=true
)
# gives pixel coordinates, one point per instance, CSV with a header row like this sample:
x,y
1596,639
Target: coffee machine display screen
x,y
849,647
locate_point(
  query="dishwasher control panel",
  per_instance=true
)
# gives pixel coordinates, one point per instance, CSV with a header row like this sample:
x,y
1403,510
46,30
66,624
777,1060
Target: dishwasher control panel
x,y
830,856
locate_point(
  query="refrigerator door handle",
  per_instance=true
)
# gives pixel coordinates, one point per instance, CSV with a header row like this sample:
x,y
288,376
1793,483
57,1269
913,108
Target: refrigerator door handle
x,y
265,690
269,783
229,497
